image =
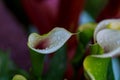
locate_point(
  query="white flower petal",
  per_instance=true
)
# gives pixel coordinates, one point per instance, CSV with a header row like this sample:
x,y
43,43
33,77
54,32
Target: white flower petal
x,y
103,25
108,37
113,53
56,39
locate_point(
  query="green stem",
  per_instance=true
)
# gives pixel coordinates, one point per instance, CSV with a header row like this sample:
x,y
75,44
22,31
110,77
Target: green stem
x,y
37,60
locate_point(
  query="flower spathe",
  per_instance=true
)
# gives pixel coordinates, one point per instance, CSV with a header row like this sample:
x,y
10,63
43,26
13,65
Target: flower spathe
x,y
51,42
107,36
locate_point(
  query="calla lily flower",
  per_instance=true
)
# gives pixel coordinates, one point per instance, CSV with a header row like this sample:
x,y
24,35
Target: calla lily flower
x,y
107,36
46,44
50,42
64,13
47,14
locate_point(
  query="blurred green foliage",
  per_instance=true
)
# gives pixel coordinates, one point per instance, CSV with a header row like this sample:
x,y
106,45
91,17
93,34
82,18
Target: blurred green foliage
x,y
94,7
19,77
57,65
7,68
96,49
96,68
85,36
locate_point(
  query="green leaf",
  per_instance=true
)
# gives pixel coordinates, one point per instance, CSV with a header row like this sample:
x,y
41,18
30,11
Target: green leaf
x,y
6,66
94,7
78,58
96,68
96,49
37,61
85,36
86,33
57,65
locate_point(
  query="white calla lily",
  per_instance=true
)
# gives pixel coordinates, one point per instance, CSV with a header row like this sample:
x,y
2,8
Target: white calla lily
x,y
50,42
104,25
107,35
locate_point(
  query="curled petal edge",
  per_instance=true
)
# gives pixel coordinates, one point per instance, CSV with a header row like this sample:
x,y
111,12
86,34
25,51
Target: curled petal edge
x,y
103,25
56,39
113,53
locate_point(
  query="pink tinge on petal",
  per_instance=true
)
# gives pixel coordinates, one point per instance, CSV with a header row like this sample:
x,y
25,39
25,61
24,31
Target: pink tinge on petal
x,y
43,44
47,14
